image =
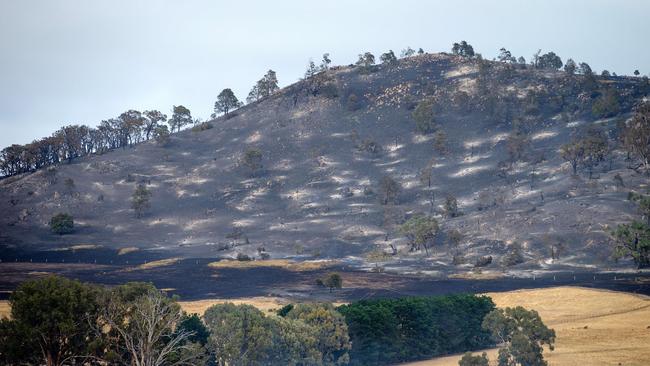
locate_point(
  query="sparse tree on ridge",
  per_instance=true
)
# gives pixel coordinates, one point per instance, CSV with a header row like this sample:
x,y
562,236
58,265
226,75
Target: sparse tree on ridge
x,y
407,52
570,67
226,101
264,87
181,117
152,120
388,58
549,61
463,49
325,63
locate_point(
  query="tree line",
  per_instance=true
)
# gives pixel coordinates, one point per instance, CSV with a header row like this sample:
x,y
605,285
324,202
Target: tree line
x,y
56,321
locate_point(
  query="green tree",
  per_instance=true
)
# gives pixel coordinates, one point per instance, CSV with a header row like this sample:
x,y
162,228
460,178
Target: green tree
x,y
333,280
192,324
140,200
62,223
252,159
451,206
50,322
463,49
469,359
521,335
161,135
388,58
570,67
152,120
644,204
424,117
549,61
607,105
181,117
421,232
633,240
226,101
331,331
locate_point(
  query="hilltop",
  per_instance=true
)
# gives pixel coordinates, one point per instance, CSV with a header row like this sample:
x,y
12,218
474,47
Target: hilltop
x,y
332,144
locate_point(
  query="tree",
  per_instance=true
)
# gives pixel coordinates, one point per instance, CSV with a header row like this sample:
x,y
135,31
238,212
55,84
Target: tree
x,y
264,87
252,160
325,63
521,335
420,51
226,101
152,120
50,322
469,359
424,117
607,105
463,49
636,73
144,328
574,153
633,240
388,58
451,206
161,135
181,117
407,52
421,232
333,280
62,223
332,339
570,67
636,135
595,147
585,69
312,70
506,56
140,200
193,325
365,62
133,122
644,204
549,61
389,189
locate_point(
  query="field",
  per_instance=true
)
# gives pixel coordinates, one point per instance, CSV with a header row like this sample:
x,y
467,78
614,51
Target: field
x,y
593,327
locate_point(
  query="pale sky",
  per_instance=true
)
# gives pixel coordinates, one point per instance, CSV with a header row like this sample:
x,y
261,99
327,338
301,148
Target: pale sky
x,y
82,61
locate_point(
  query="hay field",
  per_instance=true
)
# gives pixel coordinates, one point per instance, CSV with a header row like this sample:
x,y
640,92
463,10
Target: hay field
x,y
593,327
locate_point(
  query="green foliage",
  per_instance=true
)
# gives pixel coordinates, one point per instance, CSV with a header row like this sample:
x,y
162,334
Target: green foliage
x,y
424,117
521,334
62,223
388,58
607,105
226,101
365,62
242,335
636,135
469,359
285,310
194,325
161,135
633,240
331,331
463,49
643,201
181,117
451,207
390,331
140,200
252,159
549,61
570,67
50,322
264,87
202,126
587,149
421,231
332,281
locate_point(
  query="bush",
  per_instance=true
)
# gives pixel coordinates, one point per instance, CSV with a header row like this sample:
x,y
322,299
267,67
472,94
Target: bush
x,y
424,118
513,257
370,146
483,261
389,189
202,126
390,331
243,257
608,105
62,224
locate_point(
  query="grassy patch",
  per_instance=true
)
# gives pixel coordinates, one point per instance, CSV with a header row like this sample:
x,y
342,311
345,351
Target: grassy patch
x,y
127,250
278,263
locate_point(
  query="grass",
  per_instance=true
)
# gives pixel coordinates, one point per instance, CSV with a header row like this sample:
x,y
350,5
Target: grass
x,y
593,327
5,309
127,250
279,263
154,264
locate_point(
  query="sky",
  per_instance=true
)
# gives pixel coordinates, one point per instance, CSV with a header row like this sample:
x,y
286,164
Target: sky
x,y
80,62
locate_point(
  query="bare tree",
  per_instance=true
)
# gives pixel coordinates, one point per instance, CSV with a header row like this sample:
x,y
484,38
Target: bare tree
x,y
147,330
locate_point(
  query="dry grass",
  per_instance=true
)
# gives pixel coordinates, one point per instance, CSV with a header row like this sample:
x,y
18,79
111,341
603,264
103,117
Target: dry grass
x,y
5,309
593,327
127,250
280,263
79,247
482,275
154,264
265,304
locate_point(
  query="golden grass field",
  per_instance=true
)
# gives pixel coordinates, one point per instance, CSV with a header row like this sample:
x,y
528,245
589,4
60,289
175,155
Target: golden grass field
x,y
593,327
280,263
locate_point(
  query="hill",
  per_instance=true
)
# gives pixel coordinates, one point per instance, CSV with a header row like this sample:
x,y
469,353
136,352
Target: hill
x,y
488,137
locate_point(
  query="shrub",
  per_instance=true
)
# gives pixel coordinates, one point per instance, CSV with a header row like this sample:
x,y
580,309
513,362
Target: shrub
x,y
513,257
390,331
161,135
370,146
608,105
389,189
424,117
451,206
332,281
470,360
353,103
252,159
243,257
202,126
62,223
140,200
483,261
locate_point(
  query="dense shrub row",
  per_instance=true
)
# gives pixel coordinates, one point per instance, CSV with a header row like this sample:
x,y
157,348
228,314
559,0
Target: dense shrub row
x,y
397,330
